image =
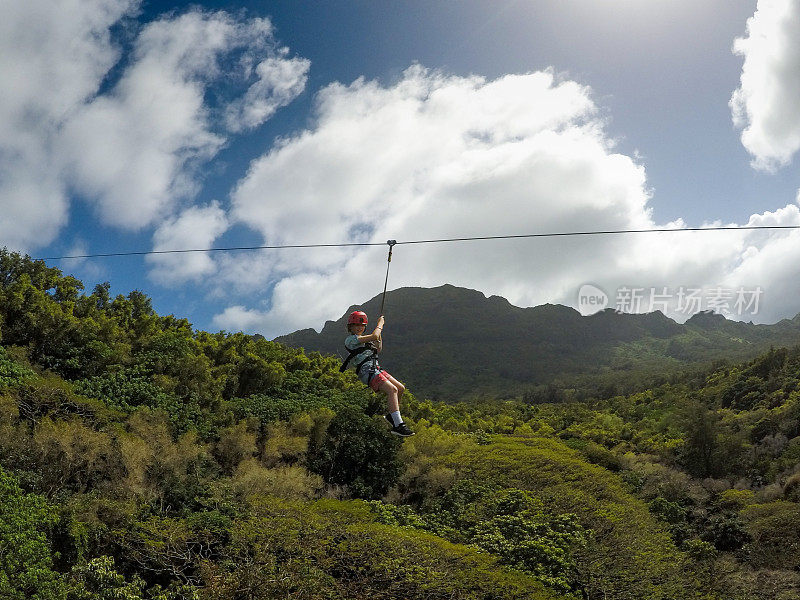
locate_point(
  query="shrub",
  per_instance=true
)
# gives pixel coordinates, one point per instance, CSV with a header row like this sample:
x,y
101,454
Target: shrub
x,y
12,373
359,452
514,525
774,535
26,563
289,482
236,444
283,444
72,457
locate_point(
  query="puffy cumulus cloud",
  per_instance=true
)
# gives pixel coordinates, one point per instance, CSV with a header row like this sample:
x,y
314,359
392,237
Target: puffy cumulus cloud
x,y
295,303
279,81
729,269
53,56
239,318
139,143
435,156
54,53
767,103
768,261
194,228
133,148
33,205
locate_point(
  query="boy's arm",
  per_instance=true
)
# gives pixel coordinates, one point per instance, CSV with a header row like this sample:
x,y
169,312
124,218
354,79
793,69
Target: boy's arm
x,y
375,336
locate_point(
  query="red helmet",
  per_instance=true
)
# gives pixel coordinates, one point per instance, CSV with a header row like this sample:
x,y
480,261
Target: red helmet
x,y
357,318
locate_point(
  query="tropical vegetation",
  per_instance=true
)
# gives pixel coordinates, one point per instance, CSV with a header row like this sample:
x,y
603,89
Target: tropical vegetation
x,y
141,458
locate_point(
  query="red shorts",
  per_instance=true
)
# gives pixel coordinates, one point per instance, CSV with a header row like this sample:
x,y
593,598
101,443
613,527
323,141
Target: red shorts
x,y
378,379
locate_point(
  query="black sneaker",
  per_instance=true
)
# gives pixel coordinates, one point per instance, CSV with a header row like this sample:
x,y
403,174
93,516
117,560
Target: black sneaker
x,y
402,430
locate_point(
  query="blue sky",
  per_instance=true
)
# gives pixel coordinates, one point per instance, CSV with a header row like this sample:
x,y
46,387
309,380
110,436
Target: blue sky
x,y
163,125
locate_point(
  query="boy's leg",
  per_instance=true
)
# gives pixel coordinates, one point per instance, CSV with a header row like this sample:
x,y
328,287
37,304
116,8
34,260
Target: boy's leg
x,y
400,387
388,388
393,404
395,420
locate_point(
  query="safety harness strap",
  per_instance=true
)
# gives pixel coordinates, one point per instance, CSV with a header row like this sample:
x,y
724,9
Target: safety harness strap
x,y
356,352
361,364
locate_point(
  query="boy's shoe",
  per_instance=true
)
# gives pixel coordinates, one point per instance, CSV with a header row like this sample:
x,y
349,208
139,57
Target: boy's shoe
x,y
402,430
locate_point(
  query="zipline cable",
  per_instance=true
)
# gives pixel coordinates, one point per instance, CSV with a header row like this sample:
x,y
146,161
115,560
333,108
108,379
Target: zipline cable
x,y
230,249
609,232
432,241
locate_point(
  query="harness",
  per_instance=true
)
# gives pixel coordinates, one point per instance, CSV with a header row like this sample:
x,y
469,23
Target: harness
x,y
373,356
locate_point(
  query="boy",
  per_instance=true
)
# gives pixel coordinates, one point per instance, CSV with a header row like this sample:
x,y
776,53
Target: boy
x,y
363,351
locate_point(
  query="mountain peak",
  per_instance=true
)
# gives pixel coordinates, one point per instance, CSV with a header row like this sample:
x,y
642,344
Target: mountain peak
x,y
707,319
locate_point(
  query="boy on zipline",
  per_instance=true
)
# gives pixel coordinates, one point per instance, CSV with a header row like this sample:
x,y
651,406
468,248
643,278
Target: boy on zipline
x,y
363,352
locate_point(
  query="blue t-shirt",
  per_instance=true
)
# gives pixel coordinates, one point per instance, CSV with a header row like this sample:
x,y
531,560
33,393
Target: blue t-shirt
x,y
351,343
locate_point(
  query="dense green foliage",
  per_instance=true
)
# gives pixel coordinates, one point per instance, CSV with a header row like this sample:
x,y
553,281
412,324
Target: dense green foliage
x,y
141,459
618,561
511,523
26,566
356,452
716,457
152,459
12,374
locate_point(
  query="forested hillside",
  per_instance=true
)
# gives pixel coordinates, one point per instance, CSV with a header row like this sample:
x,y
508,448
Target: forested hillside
x,y
455,343
143,459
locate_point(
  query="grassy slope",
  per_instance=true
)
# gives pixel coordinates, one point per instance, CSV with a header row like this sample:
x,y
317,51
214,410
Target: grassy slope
x,y
627,562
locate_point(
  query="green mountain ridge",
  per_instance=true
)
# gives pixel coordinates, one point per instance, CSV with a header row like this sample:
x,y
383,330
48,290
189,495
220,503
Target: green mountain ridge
x,y
449,342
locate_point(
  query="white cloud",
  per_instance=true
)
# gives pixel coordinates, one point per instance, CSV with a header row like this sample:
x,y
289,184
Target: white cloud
x,y
195,228
33,205
770,260
436,156
134,149
382,155
53,56
141,142
239,318
767,102
280,80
